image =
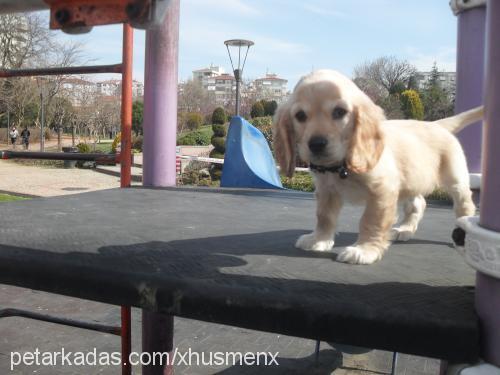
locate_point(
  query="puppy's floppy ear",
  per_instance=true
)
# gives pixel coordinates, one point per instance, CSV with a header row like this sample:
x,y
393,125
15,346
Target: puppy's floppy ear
x,y
284,140
367,141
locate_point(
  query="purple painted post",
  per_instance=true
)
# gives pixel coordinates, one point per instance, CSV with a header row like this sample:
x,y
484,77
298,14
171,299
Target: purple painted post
x,y
159,164
470,73
157,337
487,287
160,100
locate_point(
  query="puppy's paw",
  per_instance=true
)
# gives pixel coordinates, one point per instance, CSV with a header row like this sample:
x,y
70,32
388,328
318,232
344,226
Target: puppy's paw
x,y
359,255
401,234
311,242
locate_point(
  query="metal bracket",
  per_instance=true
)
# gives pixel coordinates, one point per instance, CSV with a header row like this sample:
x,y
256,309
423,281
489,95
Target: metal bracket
x,y
83,14
475,180
477,369
459,6
76,16
158,11
481,247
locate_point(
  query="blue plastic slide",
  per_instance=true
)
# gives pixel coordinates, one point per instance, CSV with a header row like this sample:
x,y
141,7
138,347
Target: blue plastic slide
x,y
248,160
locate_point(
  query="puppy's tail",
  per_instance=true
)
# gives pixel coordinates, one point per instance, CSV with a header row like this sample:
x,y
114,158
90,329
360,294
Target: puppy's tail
x,y
456,123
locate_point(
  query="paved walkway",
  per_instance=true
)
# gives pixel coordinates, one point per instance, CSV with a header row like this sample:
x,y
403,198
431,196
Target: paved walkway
x,y
296,356
47,182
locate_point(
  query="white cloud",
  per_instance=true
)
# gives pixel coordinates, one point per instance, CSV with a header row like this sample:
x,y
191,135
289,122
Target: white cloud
x,y
444,57
323,11
201,43
234,7
280,46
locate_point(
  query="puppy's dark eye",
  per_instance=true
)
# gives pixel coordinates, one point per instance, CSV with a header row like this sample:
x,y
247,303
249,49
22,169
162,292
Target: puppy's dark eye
x,y
338,113
301,116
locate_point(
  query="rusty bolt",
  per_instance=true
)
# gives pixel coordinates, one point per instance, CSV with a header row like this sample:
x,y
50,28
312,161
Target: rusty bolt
x,y
133,10
62,16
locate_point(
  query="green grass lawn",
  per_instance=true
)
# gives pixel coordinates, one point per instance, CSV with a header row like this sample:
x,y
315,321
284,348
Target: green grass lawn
x,y
199,137
8,198
206,129
103,147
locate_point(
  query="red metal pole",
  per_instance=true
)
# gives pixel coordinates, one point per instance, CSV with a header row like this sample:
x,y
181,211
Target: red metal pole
x,y
126,339
126,128
126,165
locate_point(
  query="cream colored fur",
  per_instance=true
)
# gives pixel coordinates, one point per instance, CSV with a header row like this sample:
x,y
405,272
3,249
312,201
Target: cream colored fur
x,y
389,162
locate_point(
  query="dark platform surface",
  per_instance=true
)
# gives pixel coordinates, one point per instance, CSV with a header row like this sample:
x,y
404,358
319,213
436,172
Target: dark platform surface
x,y
227,256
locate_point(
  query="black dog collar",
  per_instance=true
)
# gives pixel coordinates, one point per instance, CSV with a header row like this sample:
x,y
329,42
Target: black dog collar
x,y
340,169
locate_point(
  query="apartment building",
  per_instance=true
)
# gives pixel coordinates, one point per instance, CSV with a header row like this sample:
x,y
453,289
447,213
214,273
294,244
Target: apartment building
x,y
447,81
223,86
113,87
78,91
206,76
271,87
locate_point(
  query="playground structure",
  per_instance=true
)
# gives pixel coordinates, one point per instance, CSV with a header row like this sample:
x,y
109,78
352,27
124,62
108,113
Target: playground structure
x,y
159,145
125,160
74,156
248,161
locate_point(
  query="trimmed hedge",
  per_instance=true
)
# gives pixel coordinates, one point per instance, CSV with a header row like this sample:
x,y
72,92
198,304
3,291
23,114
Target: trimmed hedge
x,y
194,138
194,120
300,181
219,130
411,104
219,144
265,125
84,148
257,110
137,143
116,142
216,155
219,116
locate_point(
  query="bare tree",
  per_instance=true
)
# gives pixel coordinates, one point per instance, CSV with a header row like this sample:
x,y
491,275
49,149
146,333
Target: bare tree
x,y
84,101
194,98
385,73
23,38
106,116
20,40
375,91
25,42
61,55
248,96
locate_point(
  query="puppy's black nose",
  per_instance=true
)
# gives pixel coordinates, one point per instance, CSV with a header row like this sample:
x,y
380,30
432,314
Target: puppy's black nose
x,y
317,144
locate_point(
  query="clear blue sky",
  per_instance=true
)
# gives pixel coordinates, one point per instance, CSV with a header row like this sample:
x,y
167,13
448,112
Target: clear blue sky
x,y
292,37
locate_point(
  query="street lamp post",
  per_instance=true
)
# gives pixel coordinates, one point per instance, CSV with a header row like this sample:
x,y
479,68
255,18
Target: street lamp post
x,y
8,124
42,122
238,71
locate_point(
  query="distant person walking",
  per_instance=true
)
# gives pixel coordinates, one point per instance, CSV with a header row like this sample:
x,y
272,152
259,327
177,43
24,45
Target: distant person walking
x,y
13,136
25,135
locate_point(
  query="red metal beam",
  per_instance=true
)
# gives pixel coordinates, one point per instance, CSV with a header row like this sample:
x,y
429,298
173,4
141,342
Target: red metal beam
x,y
126,339
116,68
98,158
6,313
67,14
126,166
70,13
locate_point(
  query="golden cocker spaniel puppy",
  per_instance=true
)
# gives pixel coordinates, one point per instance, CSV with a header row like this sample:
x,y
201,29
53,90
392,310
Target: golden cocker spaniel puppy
x,y
357,155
